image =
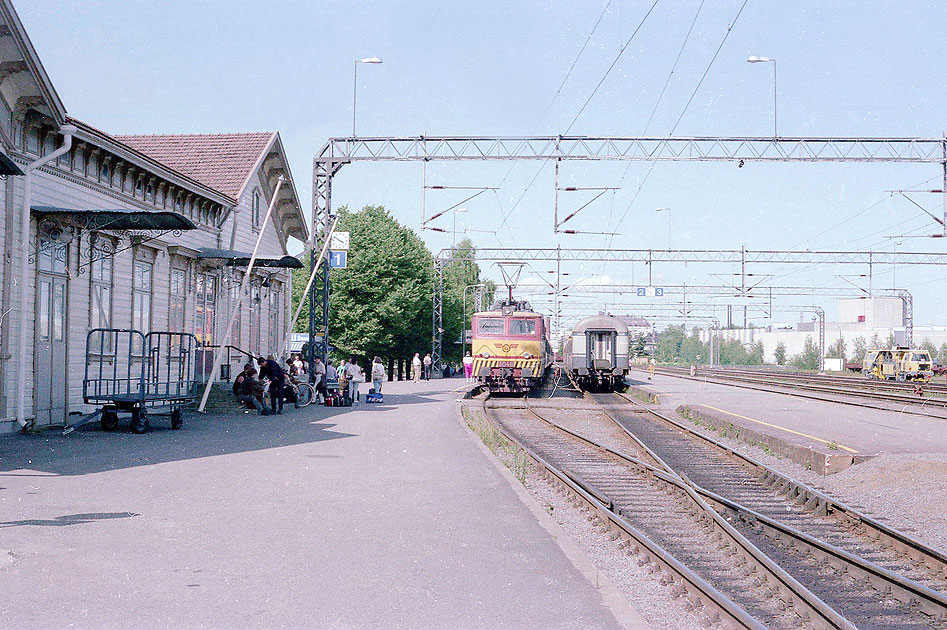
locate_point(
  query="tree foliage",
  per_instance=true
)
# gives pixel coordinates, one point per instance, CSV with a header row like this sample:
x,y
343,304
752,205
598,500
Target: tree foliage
x,y
808,359
381,303
461,275
859,349
780,353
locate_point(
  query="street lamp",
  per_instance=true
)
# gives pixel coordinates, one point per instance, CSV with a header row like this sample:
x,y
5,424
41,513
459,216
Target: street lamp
x,y
668,210
755,59
355,85
454,231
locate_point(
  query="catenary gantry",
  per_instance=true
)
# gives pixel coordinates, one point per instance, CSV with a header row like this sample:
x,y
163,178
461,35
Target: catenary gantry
x,y
345,150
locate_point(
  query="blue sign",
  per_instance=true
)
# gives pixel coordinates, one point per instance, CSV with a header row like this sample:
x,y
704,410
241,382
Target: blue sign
x,y
641,291
658,292
338,260
650,291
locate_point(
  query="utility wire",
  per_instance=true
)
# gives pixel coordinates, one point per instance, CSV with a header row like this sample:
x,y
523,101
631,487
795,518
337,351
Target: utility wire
x,y
539,123
607,72
684,111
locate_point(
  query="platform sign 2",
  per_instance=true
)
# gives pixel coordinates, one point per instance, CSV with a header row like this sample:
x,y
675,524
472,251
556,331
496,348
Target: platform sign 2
x,y
338,260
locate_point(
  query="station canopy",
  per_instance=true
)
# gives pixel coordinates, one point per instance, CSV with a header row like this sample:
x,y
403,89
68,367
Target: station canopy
x,y
242,259
121,220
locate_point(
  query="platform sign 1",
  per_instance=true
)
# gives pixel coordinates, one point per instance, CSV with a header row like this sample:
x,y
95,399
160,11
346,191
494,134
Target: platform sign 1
x,y
338,260
339,241
650,291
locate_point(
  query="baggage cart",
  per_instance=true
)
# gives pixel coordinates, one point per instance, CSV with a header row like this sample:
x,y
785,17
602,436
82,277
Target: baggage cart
x,y
141,374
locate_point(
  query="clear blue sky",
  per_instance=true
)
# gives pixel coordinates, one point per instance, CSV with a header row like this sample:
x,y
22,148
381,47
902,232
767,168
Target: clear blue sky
x,y
859,68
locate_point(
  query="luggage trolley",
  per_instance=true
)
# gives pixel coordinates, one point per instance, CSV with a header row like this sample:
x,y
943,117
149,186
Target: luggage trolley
x,y
128,371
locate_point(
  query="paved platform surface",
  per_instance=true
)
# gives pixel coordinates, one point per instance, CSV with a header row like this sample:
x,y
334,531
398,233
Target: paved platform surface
x,y
803,421
380,516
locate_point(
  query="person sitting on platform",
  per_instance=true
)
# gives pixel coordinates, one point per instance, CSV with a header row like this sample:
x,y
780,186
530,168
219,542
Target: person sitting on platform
x,y
251,393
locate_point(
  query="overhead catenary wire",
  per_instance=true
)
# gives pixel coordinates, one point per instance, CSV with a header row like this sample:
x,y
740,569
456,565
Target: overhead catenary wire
x,y
686,107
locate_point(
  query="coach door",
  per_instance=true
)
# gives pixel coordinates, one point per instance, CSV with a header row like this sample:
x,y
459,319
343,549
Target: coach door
x,y
50,360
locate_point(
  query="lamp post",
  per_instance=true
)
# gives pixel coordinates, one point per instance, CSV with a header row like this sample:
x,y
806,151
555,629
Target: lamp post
x,y
355,85
668,210
772,60
454,231
463,328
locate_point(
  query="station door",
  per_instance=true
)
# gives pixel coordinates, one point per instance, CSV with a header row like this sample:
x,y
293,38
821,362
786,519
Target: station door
x,y
50,359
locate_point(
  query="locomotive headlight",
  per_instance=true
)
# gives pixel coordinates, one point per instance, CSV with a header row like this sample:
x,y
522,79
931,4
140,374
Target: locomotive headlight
x,y
527,355
485,354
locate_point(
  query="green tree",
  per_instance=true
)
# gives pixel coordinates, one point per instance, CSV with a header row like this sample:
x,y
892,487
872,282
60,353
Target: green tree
x,y
461,272
837,349
381,303
859,348
732,352
875,342
668,344
757,352
780,353
808,359
890,343
928,345
942,353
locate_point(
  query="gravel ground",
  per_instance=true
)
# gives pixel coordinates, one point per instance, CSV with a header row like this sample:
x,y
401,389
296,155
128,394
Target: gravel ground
x,y
904,491
650,598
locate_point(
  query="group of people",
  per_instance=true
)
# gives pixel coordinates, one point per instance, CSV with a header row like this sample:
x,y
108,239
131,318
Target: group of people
x,y
421,368
250,387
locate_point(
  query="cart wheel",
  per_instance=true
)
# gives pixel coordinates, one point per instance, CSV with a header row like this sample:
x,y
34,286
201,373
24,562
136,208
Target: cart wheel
x,y
109,421
177,419
139,421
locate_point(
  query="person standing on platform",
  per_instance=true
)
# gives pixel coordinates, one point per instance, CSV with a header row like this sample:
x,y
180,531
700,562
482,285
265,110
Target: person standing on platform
x,y
271,370
427,367
468,367
319,372
353,374
378,374
416,367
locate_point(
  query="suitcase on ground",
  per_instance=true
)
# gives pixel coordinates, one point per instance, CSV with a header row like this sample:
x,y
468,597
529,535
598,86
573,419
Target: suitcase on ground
x,y
372,397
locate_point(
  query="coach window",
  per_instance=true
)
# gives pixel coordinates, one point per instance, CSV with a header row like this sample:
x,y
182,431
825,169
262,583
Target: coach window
x,y
522,326
491,326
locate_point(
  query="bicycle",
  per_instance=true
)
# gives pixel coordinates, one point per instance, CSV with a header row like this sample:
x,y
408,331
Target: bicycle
x,y
305,393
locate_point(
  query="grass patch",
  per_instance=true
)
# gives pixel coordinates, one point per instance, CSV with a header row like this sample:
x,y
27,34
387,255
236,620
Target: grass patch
x,y
645,397
512,456
833,445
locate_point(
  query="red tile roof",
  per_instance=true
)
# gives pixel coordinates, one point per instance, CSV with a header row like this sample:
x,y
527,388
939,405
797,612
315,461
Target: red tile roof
x,y
221,161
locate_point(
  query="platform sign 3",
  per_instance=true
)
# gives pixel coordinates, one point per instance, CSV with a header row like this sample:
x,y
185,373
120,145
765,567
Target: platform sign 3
x,y
338,260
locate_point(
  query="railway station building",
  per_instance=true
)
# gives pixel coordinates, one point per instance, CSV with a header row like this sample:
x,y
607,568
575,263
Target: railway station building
x,y
140,232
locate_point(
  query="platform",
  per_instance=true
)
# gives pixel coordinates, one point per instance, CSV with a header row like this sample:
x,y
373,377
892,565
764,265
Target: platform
x,y
827,427
377,516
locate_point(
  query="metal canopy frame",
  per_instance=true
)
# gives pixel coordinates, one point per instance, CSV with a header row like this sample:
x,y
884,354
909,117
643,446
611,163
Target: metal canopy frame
x,y
344,150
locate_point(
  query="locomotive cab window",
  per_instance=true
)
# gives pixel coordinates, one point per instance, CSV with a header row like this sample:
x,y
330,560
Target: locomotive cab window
x,y
491,326
522,326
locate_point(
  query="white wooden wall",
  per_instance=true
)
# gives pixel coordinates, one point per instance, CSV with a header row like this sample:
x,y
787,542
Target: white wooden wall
x,y
54,188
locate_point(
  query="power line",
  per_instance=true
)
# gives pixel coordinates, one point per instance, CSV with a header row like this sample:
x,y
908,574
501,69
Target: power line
x,y
684,111
607,72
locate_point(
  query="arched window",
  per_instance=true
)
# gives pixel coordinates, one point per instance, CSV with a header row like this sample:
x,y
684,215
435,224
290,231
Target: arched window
x,y
178,204
255,209
140,188
104,172
150,193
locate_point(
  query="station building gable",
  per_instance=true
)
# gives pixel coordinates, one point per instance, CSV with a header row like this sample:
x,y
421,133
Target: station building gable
x,y
84,274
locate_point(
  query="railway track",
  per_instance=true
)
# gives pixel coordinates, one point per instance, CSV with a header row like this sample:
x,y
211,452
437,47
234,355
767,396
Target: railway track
x,y
887,396
815,562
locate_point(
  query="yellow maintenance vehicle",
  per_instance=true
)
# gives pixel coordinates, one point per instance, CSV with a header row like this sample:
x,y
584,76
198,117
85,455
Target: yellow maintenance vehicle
x,y
898,364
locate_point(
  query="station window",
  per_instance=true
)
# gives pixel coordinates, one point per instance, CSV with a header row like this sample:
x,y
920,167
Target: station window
x,y
177,300
206,310
104,172
139,188
150,193
255,209
522,326
101,307
491,326
141,299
